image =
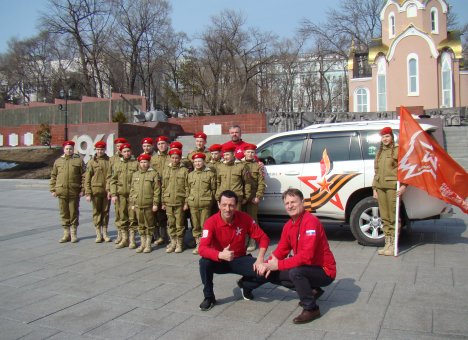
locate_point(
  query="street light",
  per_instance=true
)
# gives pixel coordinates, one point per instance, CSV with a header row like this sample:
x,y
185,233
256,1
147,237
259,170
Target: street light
x,y
65,95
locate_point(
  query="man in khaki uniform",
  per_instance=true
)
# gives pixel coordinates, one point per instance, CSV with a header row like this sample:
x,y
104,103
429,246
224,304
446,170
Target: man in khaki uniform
x,y
96,190
112,160
159,162
233,175
201,193
258,187
66,183
174,199
200,146
120,185
144,195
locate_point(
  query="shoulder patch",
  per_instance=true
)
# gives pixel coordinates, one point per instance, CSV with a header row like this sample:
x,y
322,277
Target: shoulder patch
x,y
205,233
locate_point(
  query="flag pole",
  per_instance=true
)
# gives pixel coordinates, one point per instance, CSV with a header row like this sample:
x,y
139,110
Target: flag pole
x,y
397,214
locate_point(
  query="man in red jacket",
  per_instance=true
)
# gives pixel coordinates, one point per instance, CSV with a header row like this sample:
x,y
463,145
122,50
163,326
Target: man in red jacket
x,y
310,264
222,248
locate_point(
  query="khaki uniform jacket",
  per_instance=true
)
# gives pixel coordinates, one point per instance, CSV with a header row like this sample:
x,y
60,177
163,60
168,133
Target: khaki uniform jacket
x,y
201,188
145,191
234,176
385,172
213,165
174,185
121,179
257,180
159,161
97,171
66,178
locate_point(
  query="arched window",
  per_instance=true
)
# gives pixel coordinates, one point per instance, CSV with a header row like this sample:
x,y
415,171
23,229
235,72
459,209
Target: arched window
x,y
434,20
447,81
413,74
412,11
361,100
381,84
391,25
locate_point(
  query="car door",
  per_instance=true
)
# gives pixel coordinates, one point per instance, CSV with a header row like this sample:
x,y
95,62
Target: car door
x,y
333,170
283,158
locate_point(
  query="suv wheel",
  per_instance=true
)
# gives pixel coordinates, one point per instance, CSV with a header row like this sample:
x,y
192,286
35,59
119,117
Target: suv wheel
x,y
366,224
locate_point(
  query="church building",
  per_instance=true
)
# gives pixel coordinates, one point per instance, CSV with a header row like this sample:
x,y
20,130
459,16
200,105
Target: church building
x,y
415,63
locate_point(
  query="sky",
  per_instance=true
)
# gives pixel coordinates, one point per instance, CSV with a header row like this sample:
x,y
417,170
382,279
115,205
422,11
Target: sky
x,y
283,17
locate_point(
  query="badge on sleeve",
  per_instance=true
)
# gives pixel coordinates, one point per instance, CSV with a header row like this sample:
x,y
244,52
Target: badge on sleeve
x,y
310,232
205,233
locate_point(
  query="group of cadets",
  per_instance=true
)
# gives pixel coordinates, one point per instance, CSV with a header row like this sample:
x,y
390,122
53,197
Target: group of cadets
x,y
153,193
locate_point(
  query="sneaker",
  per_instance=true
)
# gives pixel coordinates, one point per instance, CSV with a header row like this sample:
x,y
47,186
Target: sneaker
x,y
207,304
246,293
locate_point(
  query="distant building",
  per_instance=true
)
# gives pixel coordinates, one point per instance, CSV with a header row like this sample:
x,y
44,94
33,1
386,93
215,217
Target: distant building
x,y
416,62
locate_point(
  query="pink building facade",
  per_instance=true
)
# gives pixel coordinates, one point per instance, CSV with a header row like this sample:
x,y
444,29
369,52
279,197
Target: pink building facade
x,y
416,62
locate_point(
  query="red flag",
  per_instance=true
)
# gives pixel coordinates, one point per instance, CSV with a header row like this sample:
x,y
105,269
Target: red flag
x,y
423,163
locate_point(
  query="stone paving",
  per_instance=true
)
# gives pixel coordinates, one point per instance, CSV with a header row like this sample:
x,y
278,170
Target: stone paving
x,y
93,291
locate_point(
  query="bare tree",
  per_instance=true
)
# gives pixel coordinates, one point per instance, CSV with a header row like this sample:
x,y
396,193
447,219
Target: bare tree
x,y
141,24
354,20
84,22
26,68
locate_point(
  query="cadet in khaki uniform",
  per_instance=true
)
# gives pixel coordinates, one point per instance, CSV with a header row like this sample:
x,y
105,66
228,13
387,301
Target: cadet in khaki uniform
x,y
96,190
144,196
201,193
159,162
174,200
120,185
258,187
233,175
215,160
117,144
184,161
200,143
384,186
66,183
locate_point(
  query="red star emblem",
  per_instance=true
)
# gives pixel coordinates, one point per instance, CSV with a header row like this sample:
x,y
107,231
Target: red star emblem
x,y
324,185
308,180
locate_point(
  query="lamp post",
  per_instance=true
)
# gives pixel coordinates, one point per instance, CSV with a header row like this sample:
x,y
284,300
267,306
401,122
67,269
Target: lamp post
x,y
65,95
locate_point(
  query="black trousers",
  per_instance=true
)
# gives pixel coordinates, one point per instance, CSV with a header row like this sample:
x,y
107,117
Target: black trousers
x,y
241,265
303,279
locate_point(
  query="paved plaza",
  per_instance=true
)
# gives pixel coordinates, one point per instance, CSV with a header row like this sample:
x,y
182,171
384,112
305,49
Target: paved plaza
x,y
93,291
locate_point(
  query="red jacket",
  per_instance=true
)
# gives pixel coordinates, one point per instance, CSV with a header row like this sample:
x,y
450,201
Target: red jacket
x,y
218,234
309,245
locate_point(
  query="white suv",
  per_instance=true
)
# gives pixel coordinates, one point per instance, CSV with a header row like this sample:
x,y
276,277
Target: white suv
x,y
333,165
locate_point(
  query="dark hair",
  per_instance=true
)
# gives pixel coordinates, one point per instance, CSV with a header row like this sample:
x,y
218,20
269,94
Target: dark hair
x,y
292,192
235,126
229,194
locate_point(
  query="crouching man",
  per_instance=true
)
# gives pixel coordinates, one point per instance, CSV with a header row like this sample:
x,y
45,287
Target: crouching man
x,y
302,260
222,248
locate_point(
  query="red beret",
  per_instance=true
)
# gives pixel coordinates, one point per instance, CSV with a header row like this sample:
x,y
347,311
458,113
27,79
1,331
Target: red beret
x,y
144,157
120,140
147,140
215,147
100,145
176,145
162,139
250,147
125,146
68,142
175,152
386,131
199,155
200,135
228,148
